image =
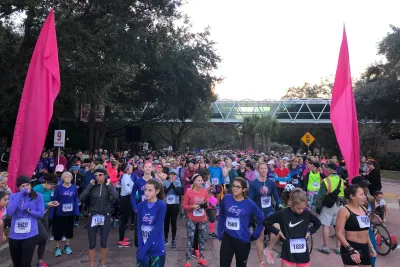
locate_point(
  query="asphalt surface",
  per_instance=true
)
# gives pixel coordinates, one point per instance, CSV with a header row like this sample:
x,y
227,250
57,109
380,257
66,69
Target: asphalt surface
x,y
124,257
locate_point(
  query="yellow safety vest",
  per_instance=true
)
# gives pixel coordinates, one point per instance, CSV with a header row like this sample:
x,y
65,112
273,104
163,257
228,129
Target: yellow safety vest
x,y
314,181
334,184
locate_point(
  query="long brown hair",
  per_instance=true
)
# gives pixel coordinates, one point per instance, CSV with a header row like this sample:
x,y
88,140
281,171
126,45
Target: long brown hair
x,y
158,186
243,183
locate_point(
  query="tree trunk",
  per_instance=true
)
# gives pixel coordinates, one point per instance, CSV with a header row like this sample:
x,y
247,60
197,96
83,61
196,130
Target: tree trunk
x,y
92,116
267,144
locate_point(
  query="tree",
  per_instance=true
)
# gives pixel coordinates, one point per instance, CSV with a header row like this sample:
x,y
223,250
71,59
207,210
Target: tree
x,y
267,129
249,128
322,90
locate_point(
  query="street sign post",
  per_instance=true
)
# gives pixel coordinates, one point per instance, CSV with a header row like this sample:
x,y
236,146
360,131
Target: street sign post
x,y
308,139
59,141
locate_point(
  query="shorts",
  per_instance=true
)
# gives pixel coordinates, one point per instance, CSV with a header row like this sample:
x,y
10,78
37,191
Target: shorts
x,y
298,264
328,215
362,248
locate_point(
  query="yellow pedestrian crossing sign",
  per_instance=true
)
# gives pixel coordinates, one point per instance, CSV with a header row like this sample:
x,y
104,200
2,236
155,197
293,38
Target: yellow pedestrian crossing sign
x,y
308,139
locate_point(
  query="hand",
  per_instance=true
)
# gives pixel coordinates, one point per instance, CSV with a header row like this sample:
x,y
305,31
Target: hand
x,y
195,207
92,181
108,182
51,204
25,191
356,257
372,252
281,235
385,220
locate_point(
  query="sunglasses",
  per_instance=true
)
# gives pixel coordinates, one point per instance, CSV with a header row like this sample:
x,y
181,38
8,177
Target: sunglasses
x,y
237,186
98,175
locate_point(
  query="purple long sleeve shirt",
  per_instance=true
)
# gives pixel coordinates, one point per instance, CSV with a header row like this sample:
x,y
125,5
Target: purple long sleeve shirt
x,y
24,223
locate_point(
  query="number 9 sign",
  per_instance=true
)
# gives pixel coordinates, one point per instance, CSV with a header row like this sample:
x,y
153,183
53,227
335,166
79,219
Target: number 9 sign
x,y
59,138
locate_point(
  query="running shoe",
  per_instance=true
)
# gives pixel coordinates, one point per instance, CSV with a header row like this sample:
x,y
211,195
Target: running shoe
x,y
212,235
182,216
262,264
58,252
76,225
166,242
63,239
270,256
337,251
324,250
51,238
123,244
173,245
127,239
115,224
202,263
42,264
187,264
195,253
67,250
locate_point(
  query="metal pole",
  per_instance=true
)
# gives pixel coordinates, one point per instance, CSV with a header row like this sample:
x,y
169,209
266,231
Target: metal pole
x,y
59,151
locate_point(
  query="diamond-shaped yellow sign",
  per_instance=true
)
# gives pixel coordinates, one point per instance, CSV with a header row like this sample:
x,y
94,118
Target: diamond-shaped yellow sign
x,y
308,139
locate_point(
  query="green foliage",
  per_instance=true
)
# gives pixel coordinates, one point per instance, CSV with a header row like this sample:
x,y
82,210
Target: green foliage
x,y
265,127
321,90
391,161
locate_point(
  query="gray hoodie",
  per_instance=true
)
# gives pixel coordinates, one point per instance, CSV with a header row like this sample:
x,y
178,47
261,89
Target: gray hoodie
x,y
100,198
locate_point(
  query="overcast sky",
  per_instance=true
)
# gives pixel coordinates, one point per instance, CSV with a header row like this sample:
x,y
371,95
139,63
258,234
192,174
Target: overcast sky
x,y
268,46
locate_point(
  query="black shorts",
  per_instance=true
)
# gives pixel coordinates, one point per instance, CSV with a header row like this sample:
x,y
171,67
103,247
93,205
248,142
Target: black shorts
x,y
362,249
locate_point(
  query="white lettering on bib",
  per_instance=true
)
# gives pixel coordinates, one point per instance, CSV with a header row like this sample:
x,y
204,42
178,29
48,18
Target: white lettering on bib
x,y
198,213
295,181
298,245
214,180
232,223
97,220
315,185
171,199
363,221
67,207
22,225
146,230
265,202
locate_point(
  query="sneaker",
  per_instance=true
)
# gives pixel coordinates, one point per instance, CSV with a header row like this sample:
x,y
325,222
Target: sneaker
x,y
187,264
63,239
166,242
132,227
127,239
202,263
51,238
67,250
195,253
262,264
115,224
324,250
173,245
270,256
76,225
42,264
58,252
182,216
337,251
212,235
123,244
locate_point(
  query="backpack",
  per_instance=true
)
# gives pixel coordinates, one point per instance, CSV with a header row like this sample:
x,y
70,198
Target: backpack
x,y
332,197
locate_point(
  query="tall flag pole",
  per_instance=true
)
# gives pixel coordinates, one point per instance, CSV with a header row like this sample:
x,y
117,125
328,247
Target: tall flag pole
x,y
344,113
41,88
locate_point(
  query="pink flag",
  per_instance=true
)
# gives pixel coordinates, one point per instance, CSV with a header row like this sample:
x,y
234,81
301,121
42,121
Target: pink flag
x,y
344,114
41,88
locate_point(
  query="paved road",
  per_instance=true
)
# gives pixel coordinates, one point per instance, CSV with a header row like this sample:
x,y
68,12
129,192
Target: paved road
x,y
124,257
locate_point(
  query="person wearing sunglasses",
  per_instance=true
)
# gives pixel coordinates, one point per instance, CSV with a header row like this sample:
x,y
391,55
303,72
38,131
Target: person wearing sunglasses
x,y
101,194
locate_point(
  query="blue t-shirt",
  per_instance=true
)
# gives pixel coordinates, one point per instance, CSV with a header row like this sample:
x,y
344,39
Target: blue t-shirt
x,y
234,218
216,175
264,201
67,198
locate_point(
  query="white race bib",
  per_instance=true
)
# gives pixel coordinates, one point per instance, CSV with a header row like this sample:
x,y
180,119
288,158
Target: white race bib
x,y
171,199
363,221
315,185
198,213
22,225
67,207
282,183
298,245
265,202
232,223
146,230
97,220
227,180
214,180
143,197
295,181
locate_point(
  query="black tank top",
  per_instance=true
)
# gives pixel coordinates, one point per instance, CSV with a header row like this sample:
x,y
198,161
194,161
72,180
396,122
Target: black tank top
x,y
357,223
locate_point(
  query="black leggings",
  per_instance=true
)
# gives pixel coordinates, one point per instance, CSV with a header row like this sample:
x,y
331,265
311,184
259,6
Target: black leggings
x,y
104,232
171,217
41,248
231,246
126,208
21,251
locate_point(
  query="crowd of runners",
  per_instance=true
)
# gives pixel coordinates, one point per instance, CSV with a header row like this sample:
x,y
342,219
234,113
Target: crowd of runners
x,y
284,196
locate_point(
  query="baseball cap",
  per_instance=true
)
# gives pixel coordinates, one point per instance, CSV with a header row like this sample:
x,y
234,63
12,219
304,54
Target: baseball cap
x,y
332,166
59,168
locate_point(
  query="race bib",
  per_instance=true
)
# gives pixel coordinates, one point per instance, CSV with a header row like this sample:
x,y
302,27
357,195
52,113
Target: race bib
x,y
171,199
232,223
97,220
282,183
143,197
22,225
227,180
298,245
214,180
67,207
315,185
265,202
198,213
51,165
363,221
146,230
295,181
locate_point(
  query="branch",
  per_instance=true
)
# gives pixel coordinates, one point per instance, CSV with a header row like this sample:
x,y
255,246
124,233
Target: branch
x,y
163,137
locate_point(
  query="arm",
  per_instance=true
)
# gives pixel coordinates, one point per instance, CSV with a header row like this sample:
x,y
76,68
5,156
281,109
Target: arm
x,y
13,204
86,192
260,217
133,197
111,190
269,222
177,188
221,220
316,224
76,202
185,202
38,213
339,229
251,192
157,229
139,229
305,183
275,195
221,177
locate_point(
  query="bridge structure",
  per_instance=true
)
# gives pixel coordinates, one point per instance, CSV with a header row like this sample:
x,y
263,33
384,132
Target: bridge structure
x,y
299,110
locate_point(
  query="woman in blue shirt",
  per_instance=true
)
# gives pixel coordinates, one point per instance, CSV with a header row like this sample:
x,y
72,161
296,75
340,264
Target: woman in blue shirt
x,y
25,208
150,221
233,225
